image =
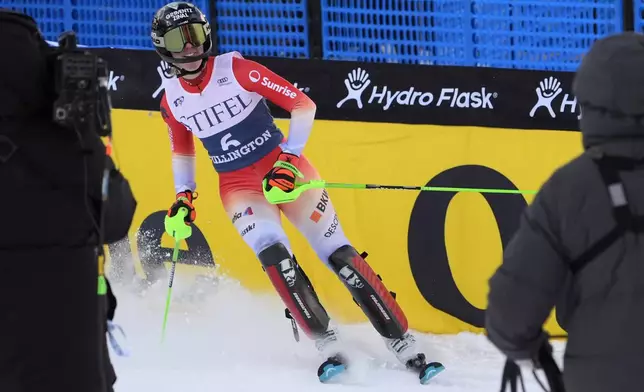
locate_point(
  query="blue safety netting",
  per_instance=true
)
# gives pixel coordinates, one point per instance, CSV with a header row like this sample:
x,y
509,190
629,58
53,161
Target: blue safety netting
x,y
639,16
263,28
258,28
98,23
528,34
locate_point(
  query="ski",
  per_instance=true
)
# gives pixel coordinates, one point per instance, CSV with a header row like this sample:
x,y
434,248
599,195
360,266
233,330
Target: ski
x,y
331,368
336,365
426,371
429,371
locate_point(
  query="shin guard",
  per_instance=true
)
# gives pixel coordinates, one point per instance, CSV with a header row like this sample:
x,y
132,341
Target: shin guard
x,y
295,289
368,291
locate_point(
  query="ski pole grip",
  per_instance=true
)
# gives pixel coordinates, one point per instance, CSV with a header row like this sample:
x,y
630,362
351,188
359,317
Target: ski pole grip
x,y
176,226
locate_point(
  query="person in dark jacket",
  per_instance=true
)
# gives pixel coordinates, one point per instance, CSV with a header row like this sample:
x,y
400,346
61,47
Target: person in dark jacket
x,y
579,244
52,320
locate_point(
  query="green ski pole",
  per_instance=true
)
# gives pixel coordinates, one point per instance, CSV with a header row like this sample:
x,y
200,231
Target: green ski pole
x,y
177,228
278,196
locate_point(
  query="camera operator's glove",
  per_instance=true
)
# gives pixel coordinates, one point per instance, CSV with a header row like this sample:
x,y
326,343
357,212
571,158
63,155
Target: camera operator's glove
x,y
283,173
184,199
536,361
541,360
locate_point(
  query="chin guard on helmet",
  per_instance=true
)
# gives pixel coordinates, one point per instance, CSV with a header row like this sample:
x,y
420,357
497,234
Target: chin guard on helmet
x,y
174,70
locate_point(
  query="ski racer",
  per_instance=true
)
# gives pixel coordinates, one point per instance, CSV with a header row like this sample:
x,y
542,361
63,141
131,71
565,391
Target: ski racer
x,y
222,101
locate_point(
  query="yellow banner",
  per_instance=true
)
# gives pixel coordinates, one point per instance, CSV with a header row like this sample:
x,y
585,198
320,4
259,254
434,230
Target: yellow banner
x,y
400,229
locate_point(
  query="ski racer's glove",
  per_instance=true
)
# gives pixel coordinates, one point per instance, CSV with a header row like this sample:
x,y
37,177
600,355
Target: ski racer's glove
x,y
284,173
184,199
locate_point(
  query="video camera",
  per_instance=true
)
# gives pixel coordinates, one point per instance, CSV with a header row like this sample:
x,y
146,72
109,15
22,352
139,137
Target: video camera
x,y
80,84
81,101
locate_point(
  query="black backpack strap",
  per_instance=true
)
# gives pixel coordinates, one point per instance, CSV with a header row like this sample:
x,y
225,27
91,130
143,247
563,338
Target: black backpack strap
x,y
609,168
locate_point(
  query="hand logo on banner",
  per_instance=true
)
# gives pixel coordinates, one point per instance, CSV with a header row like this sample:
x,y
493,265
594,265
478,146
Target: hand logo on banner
x,y
356,82
164,73
548,90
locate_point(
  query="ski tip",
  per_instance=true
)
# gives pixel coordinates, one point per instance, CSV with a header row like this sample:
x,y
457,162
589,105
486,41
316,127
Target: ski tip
x,y
430,371
329,371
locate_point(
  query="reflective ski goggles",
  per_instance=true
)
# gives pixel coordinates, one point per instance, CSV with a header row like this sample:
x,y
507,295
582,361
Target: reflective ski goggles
x,y
176,39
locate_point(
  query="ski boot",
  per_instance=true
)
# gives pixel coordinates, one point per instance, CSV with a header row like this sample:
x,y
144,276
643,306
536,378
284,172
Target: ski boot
x,y
335,364
405,350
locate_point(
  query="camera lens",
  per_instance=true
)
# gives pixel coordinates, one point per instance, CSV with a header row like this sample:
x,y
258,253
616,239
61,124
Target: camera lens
x,y
61,114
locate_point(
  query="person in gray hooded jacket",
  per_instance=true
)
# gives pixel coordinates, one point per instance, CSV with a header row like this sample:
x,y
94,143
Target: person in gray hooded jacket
x,y
580,244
